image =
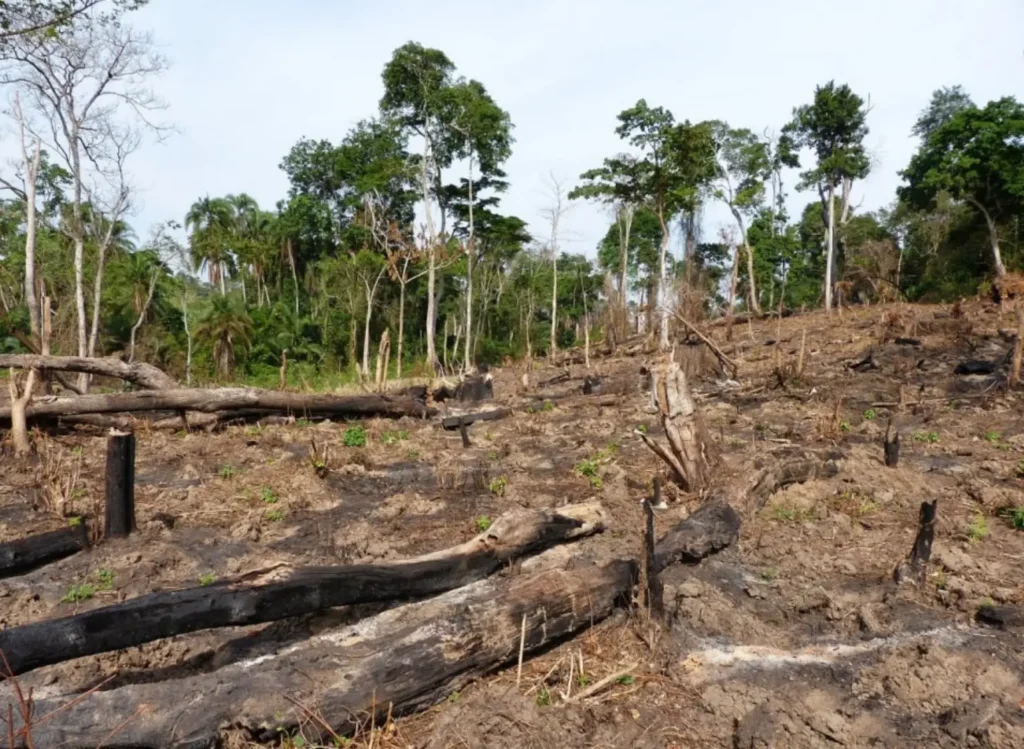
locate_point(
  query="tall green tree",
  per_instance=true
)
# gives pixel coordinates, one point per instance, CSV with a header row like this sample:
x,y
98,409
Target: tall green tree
x,y
977,156
833,127
946,103
210,223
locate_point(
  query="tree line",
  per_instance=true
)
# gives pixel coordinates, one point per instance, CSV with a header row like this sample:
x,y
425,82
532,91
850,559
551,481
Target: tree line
x,y
397,229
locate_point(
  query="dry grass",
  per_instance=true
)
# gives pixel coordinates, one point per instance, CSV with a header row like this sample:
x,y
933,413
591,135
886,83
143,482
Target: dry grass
x,y
59,472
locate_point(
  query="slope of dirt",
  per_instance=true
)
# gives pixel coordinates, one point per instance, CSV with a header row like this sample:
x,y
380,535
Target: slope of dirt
x,y
795,637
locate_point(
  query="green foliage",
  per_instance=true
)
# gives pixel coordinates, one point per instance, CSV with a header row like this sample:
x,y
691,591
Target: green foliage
x,y
207,578
79,593
394,437
274,515
227,471
625,680
928,437
543,697
355,436
978,528
870,415
268,496
993,437
498,485
1018,518
483,523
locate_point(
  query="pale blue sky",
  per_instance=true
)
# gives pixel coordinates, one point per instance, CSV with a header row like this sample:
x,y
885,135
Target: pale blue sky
x,y
250,77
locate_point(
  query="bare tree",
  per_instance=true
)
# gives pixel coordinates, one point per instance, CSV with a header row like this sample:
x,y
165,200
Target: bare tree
x,y
142,316
554,212
89,103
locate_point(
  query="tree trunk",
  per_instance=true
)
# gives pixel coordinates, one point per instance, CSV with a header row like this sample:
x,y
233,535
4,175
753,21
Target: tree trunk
x,y
1018,347
431,323
188,342
19,403
403,660
140,373
625,230
470,249
306,590
553,344
401,329
225,399
142,317
83,339
295,274
26,554
383,355
32,171
993,234
662,316
733,277
119,497
831,247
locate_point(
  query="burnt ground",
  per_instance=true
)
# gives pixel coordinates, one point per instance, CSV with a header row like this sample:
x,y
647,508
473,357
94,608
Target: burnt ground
x,y
795,637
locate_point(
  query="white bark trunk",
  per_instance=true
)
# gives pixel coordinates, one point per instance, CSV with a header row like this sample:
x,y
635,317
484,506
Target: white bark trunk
x,y
993,233
831,247
431,240
662,302
142,317
470,249
31,175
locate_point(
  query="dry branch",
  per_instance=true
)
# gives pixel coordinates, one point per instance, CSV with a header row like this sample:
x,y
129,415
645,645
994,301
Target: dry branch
x,y
165,614
144,375
400,661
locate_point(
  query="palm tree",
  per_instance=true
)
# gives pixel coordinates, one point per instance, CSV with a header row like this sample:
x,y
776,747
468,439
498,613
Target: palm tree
x,y
211,222
224,326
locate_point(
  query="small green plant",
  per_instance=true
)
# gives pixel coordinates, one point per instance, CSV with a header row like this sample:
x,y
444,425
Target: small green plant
x,y
492,455
844,426
274,515
582,680
870,414
792,515
625,680
303,422
74,521
735,442
355,436
268,496
642,428
543,697
227,471
483,523
393,438
454,697
940,580
548,406
106,578
207,578
978,528
986,603
498,485
769,575
1018,518
79,593
1020,469
993,436
929,437
413,455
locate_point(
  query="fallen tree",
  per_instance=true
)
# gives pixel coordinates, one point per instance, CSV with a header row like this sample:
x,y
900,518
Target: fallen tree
x,y
25,554
397,662
224,399
142,374
306,590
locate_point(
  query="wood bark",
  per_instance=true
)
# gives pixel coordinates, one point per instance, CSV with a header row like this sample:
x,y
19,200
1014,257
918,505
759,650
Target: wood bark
x,y
26,554
21,396
142,374
913,568
403,660
455,422
221,399
119,499
307,590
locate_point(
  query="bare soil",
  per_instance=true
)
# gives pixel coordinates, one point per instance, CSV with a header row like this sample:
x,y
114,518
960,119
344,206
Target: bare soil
x,y
795,637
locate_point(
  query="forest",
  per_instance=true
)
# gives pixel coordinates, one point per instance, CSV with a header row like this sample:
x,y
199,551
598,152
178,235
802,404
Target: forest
x,y
396,227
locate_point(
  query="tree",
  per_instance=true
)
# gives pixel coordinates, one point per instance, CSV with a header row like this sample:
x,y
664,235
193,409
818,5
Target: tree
x,y
743,167
224,326
977,156
418,94
554,212
25,17
833,127
946,102
210,222
87,100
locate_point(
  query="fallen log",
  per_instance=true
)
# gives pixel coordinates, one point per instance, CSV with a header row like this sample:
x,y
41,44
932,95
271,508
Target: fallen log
x,y
307,590
454,422
222,399
26,554
400,661
142,374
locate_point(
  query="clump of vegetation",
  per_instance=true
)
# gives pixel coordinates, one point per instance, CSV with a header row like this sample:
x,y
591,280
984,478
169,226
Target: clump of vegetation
x,y
1018,518
106,578
268,496
1020,469
642,428
625,680
978,528
227,471
79,593
793,515
590,467
355,436
394,437
207,578
928,437
993,436
274,515
303,422
870,415
844,426
543,697
483,523
498,485
769,575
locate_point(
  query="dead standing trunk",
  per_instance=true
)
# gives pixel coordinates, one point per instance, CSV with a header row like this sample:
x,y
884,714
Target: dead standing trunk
x,y
662,296
21,395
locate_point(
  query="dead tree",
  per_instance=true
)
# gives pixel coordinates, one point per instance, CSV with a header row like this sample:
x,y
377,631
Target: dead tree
x,y
891,445
383,360
119,518
687,453
139,373
21,395
1018,348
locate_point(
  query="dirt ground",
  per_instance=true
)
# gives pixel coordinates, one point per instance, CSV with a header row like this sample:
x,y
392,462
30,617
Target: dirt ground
x,y
794,637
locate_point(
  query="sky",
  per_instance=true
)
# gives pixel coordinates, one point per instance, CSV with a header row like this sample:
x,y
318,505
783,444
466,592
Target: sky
x,y
249,78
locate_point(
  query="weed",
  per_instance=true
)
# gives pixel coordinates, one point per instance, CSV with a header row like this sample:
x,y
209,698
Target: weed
x,y
769,575
940,580
483,523
735,442
930,437
106,578
454,697
993,436
78,593
492,455
303,422
761,430
844,426
498,485
413,454
870,414
792,515
978,528
625,680
642,428
986,603
1020,469
355,436
1018,518
582,680
393,438
253,431
543,697
207,578
74,521
548,406
227,471
274,515
268,496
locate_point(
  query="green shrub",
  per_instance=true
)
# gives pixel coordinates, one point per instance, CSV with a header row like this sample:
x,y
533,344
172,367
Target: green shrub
x,y
355,436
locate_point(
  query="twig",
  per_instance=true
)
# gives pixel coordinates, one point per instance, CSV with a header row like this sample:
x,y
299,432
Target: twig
x,y
599,685
522,643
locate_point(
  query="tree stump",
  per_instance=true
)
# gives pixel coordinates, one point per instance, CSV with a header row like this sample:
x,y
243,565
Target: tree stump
x,y
120,488
913,568
891,447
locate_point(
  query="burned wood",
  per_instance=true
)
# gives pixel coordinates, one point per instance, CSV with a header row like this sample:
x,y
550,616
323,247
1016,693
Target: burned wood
x,y
142,374
119,498
913,568
592,385
464,434
473,388
866,364
653,591
559,378
403,660
26,554
225,399
976,367
708,530
1004,617
891,447
725,360
165,614
907,341
461,420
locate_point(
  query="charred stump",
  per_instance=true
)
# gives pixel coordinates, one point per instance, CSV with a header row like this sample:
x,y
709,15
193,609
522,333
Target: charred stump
x,y
913,568
119,516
